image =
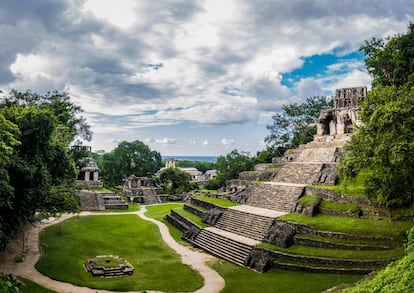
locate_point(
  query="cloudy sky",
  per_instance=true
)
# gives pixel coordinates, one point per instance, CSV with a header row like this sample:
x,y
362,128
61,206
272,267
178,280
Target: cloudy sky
x,y
189,77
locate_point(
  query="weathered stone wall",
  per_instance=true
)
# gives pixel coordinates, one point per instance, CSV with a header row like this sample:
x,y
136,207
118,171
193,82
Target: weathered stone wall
x,y
257,175
336,245
332,195
213,216
308,210
194,211
189,228
262,259
91,201
204,204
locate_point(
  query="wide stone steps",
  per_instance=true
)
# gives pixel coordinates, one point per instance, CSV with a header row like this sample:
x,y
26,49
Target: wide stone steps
x,y
302,173
317,155
245,224
223,247
275,197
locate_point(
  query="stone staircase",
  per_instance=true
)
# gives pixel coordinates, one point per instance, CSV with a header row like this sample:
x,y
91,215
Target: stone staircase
x,y
150,196
226,245
112,201
246,224
318,155
299,172
275,197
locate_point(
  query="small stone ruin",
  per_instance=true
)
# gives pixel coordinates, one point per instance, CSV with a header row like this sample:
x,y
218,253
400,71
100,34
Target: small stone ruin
x,y
343,117
141,190
108,266
89,173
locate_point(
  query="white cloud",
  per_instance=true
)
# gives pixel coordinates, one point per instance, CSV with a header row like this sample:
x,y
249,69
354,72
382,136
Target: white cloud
x,y
222,61
308,87
165,141
227,142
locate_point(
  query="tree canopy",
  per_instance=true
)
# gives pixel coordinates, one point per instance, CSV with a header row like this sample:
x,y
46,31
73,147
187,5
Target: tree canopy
x,y
229,167
295,125
391,61
175,180
36,169
129,158
384,144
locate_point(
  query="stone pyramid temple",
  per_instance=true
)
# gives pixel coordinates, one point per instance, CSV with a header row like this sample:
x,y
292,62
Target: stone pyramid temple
x,y
235,232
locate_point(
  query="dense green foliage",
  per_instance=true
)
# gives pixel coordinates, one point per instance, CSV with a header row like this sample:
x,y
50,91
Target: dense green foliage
x,y
384,144
229,167
174,180
129,158
37,171
66,246
266,155
391,61
295,125
8,284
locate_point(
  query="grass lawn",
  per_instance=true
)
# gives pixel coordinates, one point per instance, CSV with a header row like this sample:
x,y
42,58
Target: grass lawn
x,y
241,280
371,227
340,206
66,246
225,203
32,287
158,212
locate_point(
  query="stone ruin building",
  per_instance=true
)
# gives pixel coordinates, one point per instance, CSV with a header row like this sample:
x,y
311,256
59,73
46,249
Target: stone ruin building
x,y
235,232
141,190
343,117
95,199
89,173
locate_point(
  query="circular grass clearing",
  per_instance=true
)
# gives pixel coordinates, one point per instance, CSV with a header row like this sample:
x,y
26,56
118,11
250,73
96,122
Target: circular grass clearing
x,y
67,245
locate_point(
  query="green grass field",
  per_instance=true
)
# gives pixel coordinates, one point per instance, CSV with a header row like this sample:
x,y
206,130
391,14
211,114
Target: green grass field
x,y
66,246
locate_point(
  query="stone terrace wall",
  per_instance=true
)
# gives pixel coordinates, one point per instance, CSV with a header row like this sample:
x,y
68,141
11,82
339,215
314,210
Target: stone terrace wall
x,y
91,201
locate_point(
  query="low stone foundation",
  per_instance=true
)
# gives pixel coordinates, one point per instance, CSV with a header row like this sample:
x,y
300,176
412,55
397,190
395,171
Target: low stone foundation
x,y
108,266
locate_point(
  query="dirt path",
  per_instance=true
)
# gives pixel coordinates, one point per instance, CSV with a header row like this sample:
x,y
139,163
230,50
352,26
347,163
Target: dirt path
x,y
213,282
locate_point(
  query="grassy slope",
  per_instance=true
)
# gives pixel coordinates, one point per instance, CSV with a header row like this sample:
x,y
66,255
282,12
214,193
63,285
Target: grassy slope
x,y
68,245
357,226
218,201
396,277
241,280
